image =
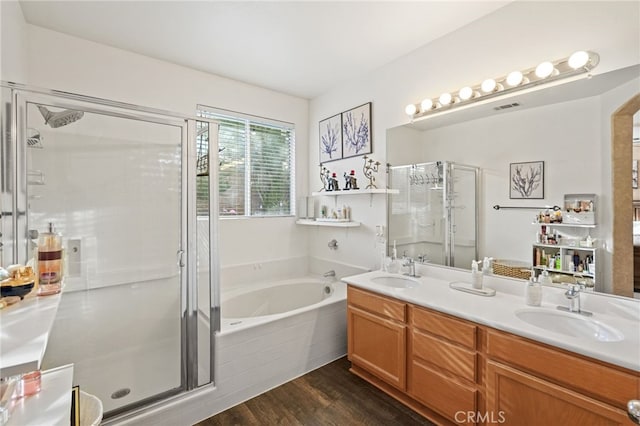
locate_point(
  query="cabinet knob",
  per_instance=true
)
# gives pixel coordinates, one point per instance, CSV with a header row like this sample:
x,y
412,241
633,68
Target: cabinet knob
x,y
633,410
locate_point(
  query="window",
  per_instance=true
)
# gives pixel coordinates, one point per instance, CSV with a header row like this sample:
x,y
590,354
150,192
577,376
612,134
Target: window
x,y
256,173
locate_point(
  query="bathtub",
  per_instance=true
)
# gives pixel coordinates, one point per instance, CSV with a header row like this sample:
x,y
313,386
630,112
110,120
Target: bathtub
x,y
274,332
265,302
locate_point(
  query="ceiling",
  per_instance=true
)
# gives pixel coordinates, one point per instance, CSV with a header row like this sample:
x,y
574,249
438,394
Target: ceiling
x,y
302,48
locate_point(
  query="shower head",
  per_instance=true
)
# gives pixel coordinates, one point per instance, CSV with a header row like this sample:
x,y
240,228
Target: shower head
x,y
59,119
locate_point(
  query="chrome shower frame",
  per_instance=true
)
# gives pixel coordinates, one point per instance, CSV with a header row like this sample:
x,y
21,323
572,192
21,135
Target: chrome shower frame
x,y
14,223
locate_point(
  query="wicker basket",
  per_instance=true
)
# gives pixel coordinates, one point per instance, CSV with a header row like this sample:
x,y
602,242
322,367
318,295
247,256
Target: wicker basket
x,y
512,268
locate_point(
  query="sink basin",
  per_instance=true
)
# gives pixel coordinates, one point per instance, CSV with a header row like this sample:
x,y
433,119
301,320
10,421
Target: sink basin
x,y
395,281
573,325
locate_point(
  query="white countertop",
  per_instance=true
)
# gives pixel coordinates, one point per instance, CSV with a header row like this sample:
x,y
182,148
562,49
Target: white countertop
x,y
499,311
50,406
24,331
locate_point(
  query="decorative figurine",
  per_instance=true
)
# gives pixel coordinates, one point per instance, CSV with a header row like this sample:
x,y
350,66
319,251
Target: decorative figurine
x,y
369,169
324,174
333,183
350,181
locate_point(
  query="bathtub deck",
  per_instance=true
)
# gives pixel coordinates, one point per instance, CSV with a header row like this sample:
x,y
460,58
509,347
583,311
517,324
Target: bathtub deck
x,y
330,395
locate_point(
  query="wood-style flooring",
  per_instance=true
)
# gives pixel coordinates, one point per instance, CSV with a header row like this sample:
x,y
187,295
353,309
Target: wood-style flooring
x,y
330,395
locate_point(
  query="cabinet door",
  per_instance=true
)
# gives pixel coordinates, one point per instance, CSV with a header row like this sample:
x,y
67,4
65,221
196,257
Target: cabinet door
x,y
378,345
522,399
447,396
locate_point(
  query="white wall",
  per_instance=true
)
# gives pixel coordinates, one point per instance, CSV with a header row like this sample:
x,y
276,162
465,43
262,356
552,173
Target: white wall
x,y
517,36
63,62
13,41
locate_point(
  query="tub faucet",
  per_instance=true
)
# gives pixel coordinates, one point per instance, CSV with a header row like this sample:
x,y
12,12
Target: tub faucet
x,y
573,295
408,261
330,274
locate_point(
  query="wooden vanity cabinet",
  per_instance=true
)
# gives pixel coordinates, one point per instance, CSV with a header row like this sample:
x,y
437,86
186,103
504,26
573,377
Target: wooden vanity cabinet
x,y
377,336
454,371
442,363
523,376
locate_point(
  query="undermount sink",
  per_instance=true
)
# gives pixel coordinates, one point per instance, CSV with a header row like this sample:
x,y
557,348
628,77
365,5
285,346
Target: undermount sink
x,y
395,281
569,324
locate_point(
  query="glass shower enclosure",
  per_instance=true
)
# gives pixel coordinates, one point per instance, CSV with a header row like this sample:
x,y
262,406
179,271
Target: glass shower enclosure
x,y
434,216
139,307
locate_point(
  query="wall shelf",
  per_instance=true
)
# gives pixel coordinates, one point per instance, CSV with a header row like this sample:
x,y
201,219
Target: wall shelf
x,y
584,274
355,192
312,222
560,246
25,331
564,225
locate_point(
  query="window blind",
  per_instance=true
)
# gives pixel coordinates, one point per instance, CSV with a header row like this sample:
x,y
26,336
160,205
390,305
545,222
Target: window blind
x,y
256,173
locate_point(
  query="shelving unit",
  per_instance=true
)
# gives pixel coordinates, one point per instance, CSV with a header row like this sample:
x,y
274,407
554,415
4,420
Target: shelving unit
x,y
564,250
336,194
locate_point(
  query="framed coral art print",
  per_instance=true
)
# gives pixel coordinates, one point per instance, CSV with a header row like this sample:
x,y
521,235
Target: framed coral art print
x,y
356,131
331,139
526,180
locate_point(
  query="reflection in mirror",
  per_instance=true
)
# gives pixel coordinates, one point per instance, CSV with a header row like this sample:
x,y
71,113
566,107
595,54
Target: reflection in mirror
x,y
566,126
433,218
636,201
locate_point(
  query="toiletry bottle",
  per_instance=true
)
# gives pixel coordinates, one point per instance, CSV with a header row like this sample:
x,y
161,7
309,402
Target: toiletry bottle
x,y
545,278
394,265
476,275
533,291
49,262
486,265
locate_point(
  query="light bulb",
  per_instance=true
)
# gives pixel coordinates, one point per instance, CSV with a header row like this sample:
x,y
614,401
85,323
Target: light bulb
x,y
426,105
445,99
410,109
578,59
544,70
465,93
514,78
489,85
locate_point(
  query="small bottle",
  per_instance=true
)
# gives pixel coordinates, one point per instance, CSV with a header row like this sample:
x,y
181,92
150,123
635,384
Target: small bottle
x,y
49,262
476,275
533,292
395,265
545,278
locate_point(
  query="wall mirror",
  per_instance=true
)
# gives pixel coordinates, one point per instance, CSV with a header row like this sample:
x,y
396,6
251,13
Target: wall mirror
x,y
563,126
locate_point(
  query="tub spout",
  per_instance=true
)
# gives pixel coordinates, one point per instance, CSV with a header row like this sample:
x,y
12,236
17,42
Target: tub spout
x,y
330,274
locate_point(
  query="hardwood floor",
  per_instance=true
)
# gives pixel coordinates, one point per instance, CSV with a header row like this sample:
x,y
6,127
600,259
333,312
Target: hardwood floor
x,y
330,395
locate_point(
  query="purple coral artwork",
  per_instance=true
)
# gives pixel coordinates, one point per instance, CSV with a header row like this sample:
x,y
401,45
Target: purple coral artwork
x,y
526,180
331,139
356,131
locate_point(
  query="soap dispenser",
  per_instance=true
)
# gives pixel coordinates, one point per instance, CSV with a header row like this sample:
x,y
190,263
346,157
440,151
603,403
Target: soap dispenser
x,y
476,275
533,292
49,262
395,265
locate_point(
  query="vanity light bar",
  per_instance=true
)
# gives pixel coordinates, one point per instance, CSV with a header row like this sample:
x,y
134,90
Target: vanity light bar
x,y
546,72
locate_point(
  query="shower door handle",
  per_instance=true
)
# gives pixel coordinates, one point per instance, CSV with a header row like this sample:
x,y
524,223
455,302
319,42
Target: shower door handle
x,y
180,256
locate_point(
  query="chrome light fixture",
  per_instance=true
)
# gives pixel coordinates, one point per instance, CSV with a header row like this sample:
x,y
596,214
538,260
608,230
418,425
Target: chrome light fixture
x,y
580,62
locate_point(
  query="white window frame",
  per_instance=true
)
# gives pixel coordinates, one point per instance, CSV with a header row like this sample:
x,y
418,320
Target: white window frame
x,y
202,110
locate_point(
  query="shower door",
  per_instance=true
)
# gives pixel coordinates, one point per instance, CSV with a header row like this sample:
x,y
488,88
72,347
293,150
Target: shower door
x,y
434,215
113,181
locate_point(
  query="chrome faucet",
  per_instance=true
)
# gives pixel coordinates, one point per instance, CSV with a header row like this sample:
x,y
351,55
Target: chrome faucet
x,y
330,274
408,261
573,294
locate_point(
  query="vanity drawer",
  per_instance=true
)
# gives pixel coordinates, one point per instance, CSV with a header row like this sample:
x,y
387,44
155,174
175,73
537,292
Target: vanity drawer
x,y
458,331
440,393
380,305
593,378
447,356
